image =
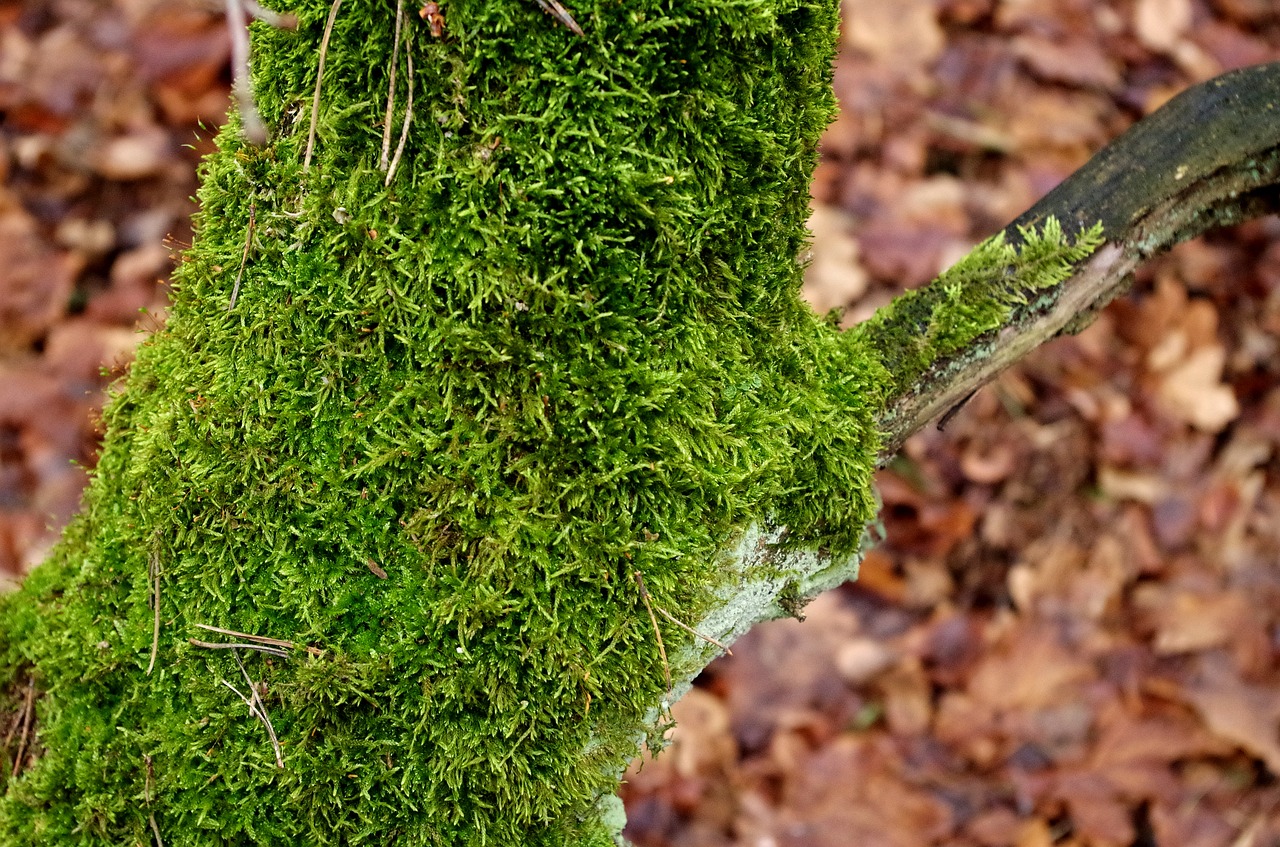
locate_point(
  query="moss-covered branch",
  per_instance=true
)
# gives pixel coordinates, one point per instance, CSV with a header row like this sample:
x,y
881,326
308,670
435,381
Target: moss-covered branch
x,y
1209,157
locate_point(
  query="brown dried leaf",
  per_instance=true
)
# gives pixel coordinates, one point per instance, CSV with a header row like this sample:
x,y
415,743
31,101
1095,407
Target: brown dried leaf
x,y
905,33
1029,669
908,698
1245,713
833,278
853,792
1076,62
1194,391
137,155
1189,621
1161,24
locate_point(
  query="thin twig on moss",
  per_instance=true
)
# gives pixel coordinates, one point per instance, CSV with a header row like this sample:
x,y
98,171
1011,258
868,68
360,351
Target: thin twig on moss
x,y
691,630
560,13
28,704
254,130
707,638
391,89
244,257
408,119
260,639
261,648
662,650
253,710
257,642
256,708
262,709
315,100
155,624
13,727
147,788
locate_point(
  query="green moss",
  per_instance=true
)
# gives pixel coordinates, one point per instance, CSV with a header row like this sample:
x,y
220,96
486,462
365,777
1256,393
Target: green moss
x,y
563,345
975,297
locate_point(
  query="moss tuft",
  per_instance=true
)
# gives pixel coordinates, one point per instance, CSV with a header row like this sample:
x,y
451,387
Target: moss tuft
x,y
976,296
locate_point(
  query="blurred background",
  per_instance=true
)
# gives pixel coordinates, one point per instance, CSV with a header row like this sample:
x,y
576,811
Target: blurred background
x,y
1072,633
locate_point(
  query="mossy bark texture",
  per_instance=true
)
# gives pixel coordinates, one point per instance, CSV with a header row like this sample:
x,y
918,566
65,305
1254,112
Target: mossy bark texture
x,y
445,422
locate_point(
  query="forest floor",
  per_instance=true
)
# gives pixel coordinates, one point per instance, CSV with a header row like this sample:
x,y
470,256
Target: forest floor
x,y
1072,632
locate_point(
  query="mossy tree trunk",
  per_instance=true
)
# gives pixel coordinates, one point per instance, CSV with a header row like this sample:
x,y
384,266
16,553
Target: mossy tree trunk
x,y
445,448
448,418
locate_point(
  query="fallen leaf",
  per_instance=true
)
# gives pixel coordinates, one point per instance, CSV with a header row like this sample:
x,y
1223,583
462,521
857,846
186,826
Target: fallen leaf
x,y
1194,392
1247,714
908,698
1077,62
853,791
140,154
905,32
1027,670
833,277
35,281
862,659
1188,621
1161,24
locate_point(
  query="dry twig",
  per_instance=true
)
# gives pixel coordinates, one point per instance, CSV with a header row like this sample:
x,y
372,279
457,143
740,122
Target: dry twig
x,y
707,638
560,13
275,19
408,119
662,650
691,630
260,648
315,101
254,130
391,88
262,709
260,639
257,709
261,643
28,708
147,787
244,257
155,600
